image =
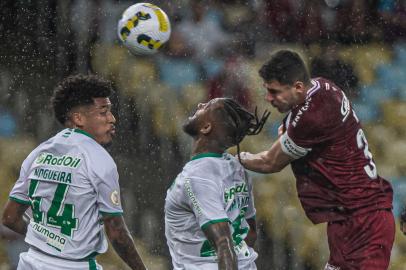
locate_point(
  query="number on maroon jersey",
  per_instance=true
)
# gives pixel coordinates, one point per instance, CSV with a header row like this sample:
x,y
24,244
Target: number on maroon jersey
x,y
362,143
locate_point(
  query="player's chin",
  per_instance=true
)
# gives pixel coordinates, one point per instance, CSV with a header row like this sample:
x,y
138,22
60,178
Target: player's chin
x,y
282,109
107,141
109,137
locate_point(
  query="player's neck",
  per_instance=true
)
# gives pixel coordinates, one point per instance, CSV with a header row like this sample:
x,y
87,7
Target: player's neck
x,y
308,86
202,145
301,96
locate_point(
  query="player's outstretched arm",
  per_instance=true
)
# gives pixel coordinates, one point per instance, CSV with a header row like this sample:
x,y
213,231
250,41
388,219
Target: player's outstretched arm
x,y
122,241
219,236
252,233
13,217
270,161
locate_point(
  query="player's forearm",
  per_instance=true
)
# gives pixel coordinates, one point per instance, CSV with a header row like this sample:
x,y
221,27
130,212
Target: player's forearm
x,y
13,217
123,243
125,248
19,225
259,162
252,233
227,260
220,237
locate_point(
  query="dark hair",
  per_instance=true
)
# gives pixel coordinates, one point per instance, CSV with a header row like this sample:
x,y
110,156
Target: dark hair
x,y
286,67
78,90
241,122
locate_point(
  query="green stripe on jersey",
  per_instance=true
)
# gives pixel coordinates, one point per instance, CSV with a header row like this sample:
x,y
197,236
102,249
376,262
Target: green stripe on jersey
x,y
205,225
111,214
83,132
92,264
209,154
19,200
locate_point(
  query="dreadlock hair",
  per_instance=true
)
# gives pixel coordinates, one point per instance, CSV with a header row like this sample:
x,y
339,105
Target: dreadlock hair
x,y
241,122
78,90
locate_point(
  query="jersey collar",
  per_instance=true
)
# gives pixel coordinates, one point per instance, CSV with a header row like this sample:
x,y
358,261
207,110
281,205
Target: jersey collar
x,y
82,132
208,154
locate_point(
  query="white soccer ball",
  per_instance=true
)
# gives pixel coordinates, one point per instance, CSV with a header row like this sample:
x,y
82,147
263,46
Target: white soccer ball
x,y
144,28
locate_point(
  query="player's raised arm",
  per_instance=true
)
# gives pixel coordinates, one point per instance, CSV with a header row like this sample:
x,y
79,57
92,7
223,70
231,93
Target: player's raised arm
x,y
270,161
122,241
252,233
13,217
219,236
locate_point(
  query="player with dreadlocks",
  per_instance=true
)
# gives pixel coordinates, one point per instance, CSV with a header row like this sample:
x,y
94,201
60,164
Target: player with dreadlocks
x,y
209,209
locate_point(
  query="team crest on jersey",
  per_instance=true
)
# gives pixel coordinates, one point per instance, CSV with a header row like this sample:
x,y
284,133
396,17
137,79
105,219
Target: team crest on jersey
x,y
115,198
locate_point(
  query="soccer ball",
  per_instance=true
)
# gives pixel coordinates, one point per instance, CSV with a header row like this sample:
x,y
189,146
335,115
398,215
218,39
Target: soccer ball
x,y
144,28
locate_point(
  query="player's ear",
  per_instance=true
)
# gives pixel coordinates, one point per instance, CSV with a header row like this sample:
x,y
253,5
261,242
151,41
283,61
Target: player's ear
x,y
77,118
206,128
299,86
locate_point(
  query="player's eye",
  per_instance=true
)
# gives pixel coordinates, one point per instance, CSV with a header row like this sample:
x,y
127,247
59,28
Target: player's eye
x,y
272,92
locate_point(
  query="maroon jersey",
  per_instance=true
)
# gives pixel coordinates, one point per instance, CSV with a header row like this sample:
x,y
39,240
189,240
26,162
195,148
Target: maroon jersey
x,y
335,173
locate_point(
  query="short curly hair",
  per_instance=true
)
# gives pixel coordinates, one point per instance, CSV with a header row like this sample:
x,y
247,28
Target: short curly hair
x,y
286,67
78,90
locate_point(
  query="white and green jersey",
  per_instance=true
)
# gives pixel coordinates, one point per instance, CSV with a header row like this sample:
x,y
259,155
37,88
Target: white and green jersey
x,y
69,181
211,188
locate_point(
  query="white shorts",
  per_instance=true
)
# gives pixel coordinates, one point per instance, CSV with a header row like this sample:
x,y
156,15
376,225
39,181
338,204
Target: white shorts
x,y
214,266
35,260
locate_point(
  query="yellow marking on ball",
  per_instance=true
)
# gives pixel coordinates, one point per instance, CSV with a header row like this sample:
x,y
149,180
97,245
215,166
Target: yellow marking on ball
x,y
163,22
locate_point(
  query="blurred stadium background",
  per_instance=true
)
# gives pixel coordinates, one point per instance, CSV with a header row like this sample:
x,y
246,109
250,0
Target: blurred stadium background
x,y
216,49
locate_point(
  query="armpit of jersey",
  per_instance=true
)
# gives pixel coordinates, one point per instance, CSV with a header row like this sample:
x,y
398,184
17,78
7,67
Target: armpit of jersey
x,y
290,148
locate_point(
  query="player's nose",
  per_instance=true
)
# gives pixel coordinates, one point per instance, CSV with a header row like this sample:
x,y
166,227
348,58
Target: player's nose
x,y
200,105
112,119
269,97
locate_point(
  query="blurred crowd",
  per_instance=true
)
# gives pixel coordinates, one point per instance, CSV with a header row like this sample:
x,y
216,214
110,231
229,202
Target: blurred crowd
x,y
216,48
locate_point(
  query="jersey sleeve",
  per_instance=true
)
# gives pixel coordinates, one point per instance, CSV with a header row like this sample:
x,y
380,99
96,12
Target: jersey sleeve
x,y
205,198
19,192
251,211
108,192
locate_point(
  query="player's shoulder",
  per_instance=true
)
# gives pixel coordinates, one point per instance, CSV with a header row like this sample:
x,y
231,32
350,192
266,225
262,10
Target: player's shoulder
x,y
94,153
33,155
204,166
43,146
323,92
322,104
97,154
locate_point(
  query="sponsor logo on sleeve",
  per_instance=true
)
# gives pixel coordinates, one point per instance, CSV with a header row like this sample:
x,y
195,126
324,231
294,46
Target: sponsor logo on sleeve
x,y
192,197
299,114
115,198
